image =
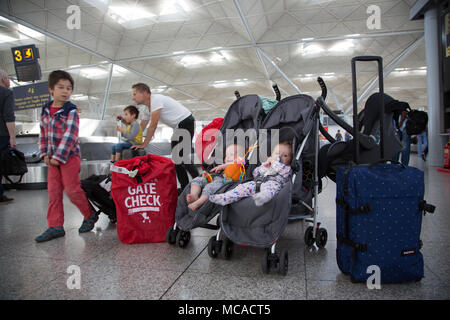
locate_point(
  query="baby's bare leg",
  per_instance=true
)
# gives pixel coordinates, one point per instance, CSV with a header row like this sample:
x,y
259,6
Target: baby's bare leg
x,y
198,203
195,192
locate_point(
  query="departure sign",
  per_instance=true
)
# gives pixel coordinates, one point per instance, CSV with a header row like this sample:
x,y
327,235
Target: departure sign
x,y
31,96
26,63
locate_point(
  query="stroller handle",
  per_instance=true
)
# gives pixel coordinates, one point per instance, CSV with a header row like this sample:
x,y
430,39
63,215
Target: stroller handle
x,y
277,91
323,86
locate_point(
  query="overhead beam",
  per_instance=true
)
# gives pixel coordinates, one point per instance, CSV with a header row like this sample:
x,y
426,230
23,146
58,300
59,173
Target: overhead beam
x,y
280,71
272,44
108,87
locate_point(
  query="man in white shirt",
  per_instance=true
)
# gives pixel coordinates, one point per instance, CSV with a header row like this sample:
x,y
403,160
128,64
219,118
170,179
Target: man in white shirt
x,y
173,114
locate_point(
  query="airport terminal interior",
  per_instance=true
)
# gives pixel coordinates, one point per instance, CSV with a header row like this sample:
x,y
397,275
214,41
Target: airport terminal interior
x,y
211,55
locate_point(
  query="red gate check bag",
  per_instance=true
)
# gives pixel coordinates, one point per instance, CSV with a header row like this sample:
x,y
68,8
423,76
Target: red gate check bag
x,y
144,190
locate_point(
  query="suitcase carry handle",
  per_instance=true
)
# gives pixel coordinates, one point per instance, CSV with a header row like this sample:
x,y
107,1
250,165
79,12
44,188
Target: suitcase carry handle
x,y
386,161
356,135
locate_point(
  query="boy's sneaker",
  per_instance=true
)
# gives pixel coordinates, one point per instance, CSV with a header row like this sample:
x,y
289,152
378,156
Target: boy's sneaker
x,y
4,199
88,224
51,233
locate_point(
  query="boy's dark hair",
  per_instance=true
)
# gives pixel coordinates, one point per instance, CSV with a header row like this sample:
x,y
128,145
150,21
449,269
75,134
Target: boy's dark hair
x,y
132,110
141,87
57,75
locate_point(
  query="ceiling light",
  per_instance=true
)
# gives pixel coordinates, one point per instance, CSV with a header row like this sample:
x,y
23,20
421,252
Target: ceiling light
x,y
312,49
119,71
93,73
342,46
192,61
307,39
217,57
131,16
29,32
174,7
5,38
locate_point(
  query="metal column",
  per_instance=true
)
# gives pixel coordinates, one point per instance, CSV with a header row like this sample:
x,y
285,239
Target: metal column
x,y
436,142
108,86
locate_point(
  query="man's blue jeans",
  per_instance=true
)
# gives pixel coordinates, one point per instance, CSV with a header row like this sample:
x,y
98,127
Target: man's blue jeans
x,y
406,143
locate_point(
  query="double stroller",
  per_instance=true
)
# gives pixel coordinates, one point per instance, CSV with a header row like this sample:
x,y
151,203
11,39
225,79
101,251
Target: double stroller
x,y
296,119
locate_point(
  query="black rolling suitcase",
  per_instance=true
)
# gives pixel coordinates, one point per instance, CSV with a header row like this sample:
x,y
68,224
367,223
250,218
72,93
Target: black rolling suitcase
x,y
379,212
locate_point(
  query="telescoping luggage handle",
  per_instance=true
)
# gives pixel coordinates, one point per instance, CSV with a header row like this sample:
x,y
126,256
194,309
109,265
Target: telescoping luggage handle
x,y
379,60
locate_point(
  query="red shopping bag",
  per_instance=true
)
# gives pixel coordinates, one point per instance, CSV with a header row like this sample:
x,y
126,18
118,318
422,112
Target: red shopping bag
x,y
144,190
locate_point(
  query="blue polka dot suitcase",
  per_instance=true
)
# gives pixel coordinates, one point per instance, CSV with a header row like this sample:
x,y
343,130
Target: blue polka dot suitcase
x,y
379,218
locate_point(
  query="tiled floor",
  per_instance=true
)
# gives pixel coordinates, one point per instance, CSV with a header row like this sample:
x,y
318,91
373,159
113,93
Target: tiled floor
x,y
112,270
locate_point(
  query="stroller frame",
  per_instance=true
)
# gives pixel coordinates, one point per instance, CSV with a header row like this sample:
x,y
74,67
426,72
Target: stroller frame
x,y
271,259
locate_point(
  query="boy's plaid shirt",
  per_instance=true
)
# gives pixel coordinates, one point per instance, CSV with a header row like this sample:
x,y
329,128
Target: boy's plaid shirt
x,y
59,134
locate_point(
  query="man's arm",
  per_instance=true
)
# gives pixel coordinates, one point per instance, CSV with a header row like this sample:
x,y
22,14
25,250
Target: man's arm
x,y
12,133
151,129
143,124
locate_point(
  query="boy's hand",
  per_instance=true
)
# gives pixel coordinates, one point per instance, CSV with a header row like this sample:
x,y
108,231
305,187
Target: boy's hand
x,y
47,160
54,162
119,128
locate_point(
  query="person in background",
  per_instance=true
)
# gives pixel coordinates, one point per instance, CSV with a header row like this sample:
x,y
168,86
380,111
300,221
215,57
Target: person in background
x,y
404,138
7,123
131,135
59,146
422,144
347,136
338,136
173,114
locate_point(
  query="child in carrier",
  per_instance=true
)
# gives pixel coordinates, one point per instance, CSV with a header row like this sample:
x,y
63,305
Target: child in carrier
x,y
232,153
131,135
58,143
272,174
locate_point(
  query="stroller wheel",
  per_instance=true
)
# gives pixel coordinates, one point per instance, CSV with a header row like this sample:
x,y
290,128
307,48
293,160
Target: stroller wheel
x,y
183,238
309,237
171,235
266,262
227,248
321,237
212,247
283,262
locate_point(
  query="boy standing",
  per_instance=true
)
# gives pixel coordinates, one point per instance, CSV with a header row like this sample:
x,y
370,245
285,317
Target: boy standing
x,y
61,152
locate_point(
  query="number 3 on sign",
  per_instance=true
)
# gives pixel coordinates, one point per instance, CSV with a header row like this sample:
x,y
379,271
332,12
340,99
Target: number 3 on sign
x,y
17,55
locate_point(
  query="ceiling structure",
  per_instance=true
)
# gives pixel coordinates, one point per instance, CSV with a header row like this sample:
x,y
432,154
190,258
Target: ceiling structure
x,y
200,51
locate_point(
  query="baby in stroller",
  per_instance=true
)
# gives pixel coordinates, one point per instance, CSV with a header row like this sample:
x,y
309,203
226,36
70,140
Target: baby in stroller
x,y
232,153
271,176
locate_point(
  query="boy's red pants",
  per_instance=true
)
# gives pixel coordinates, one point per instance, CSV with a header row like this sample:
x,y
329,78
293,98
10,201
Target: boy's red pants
x,y
65,177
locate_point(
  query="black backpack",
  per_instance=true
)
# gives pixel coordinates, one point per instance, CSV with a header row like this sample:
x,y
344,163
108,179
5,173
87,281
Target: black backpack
x,y
98,196
416,122
12,163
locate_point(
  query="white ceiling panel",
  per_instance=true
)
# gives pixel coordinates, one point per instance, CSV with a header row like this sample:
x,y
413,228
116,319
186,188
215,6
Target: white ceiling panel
x,y
159,40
